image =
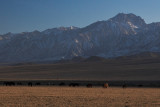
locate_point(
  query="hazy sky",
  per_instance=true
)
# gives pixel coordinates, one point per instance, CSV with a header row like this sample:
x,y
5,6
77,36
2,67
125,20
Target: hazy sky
x,y
28,15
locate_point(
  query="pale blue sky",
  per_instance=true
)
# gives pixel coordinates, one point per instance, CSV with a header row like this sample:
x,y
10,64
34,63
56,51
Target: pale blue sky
x,y
29,15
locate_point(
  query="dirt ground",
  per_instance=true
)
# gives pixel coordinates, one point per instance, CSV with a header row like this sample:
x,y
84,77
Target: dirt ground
x,y
22,96
107,70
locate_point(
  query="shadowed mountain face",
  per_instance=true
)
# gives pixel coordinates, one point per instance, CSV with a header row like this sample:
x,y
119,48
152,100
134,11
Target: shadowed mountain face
x,y
122,35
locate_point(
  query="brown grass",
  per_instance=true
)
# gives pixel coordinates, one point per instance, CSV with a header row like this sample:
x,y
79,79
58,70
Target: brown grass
x,y
78,97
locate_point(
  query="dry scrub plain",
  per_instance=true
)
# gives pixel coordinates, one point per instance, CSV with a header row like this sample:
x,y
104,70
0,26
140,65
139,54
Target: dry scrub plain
x,y
22,96
107,70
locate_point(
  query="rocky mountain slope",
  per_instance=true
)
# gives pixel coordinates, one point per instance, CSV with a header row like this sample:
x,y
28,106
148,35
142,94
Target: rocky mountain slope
x,y
122,35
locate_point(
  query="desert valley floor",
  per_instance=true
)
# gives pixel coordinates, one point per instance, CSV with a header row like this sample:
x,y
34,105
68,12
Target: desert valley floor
x,y
108,69
62,96
14,96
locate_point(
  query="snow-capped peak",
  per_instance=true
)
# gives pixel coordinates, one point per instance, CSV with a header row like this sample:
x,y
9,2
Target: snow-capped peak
x,y
133,20
124,34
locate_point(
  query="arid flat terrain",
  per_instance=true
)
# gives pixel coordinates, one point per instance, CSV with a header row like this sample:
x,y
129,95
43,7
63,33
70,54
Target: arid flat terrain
x,y
118,69
13,96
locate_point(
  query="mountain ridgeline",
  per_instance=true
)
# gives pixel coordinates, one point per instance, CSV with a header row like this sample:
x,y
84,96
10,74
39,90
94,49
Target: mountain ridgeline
x,y
122,35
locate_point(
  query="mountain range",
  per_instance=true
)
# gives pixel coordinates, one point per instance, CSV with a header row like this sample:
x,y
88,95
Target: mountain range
x,y
122,35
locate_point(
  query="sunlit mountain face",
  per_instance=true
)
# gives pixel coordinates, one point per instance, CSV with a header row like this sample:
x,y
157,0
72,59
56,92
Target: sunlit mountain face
x,y
122,35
